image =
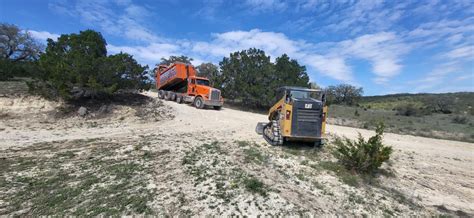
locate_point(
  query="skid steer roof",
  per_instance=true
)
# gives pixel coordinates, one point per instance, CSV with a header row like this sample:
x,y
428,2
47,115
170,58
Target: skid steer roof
x,y
298,89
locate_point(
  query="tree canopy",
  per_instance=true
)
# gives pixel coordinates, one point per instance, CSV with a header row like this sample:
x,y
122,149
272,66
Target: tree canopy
x,y
251,78
77,65
18,52
343,94
210,71
17,45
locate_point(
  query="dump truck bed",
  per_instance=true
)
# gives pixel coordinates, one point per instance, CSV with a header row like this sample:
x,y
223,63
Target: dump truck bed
x,y
174,77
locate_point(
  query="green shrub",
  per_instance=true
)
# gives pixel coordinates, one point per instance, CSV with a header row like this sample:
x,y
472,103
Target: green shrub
x,y
356,113
412,110
363,156
42,88
460,119
254,185
77,66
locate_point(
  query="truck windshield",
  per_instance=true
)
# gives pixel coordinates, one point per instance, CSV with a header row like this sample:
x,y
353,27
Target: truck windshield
x,y
202,82
305,94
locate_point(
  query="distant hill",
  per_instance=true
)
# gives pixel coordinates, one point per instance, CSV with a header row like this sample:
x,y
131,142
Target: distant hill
x,y
459,102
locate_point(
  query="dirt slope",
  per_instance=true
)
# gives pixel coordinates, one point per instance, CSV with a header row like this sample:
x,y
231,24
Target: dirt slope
x,y
430,176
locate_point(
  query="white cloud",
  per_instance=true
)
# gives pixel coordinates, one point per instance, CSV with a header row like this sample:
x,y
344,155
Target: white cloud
x,y
383,50
126,21
43,35
466,77
150,54
437,77
355,17
266,5
272,43
462,52
333,67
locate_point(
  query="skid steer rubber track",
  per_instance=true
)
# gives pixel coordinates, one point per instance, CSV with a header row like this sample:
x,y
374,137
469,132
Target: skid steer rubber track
x,y
272,133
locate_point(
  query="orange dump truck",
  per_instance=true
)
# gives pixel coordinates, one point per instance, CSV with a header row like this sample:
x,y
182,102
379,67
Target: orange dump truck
x,y
178,82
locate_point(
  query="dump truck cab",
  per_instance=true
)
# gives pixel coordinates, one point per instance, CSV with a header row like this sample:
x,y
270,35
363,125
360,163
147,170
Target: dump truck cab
x,y
299,114
199,87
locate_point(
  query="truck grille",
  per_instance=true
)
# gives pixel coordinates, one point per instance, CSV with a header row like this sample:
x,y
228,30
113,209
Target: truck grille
x,y
308,115
215,94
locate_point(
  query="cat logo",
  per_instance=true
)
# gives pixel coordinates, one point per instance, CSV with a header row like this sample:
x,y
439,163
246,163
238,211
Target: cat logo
x,y
308,106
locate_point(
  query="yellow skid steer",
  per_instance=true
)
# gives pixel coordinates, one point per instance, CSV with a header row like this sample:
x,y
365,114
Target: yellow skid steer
x,y
298,115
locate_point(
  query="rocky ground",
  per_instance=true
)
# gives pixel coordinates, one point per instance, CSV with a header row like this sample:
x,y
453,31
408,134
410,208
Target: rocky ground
x,y
145,156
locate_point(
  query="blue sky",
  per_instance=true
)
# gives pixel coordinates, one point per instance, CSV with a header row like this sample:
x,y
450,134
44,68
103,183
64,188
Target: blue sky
x,y
384,46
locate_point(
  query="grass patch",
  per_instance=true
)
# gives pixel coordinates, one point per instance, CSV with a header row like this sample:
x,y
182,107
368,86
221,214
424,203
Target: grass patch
x,y
68,184
212,147
254,155
301,176
340,171
243,143
201,161
254,185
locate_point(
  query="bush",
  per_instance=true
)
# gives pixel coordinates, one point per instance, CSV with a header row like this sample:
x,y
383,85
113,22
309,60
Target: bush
x,y
10,69
363,156
460,119
411,110
77,66
356,113
42,88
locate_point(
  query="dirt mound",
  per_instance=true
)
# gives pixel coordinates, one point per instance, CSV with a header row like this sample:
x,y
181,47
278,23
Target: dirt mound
x,y
26,104
120,106
36,112
154,110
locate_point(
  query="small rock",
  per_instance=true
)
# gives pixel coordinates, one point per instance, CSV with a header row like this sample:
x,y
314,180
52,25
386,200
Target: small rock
x,y
82,111
103,109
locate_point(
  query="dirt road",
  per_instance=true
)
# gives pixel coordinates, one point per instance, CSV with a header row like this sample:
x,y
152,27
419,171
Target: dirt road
x,y
427,176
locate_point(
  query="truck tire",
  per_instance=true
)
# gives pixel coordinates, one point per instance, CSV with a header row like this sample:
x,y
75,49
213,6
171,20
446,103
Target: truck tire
x,y
167,95
217,107
173,96
161,94
199,103
179,99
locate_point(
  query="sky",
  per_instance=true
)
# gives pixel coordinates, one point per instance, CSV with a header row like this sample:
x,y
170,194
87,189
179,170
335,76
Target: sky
x,y
384,46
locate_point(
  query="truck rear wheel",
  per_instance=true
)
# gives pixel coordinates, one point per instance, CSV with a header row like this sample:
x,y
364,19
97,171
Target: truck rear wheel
x,y
199,103
179,99
161,94
167,95
173,96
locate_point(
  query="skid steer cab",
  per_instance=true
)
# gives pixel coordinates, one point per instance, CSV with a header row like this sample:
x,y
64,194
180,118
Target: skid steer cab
x,y
298,115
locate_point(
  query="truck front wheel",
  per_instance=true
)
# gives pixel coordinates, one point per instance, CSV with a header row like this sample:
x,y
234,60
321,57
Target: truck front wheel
x,y
199,103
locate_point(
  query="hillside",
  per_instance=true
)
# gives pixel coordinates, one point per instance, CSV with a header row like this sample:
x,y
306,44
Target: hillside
x,y
445,116
460,102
